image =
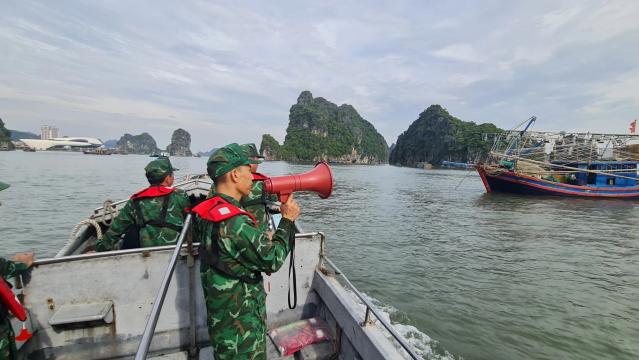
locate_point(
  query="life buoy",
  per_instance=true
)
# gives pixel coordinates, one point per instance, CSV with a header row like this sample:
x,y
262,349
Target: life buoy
x,y
11,302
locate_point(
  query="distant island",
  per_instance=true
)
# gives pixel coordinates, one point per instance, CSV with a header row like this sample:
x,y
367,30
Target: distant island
x,y
180,143
437,136
143,144
206,153
320,130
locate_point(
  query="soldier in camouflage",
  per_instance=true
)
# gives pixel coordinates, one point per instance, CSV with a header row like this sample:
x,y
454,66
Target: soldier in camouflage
x,y
153,216
257,201
8,269
234,252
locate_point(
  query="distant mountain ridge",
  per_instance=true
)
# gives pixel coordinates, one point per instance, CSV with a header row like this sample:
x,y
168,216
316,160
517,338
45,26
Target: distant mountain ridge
x,y
437,136
17,135
320,130
111,144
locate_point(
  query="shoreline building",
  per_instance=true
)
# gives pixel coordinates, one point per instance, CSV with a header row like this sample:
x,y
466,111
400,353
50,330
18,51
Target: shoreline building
x,y
48,132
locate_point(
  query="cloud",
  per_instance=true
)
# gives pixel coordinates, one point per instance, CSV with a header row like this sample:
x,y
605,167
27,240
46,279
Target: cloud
x,y
459,52
234,69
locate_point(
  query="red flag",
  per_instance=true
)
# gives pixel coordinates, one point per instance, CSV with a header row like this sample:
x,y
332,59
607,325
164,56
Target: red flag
x,y
633,127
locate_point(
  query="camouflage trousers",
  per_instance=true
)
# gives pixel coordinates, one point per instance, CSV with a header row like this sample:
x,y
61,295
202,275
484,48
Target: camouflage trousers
x,y
7,343
236,317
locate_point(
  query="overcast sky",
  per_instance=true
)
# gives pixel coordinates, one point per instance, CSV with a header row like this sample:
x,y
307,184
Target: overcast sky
x,y
229,71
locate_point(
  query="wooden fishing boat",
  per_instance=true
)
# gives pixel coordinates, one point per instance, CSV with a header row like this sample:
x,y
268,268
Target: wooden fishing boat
x,y
560,164
148,302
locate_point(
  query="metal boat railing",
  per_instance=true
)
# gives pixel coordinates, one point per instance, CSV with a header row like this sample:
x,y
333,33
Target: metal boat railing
x,y
147,336
370,308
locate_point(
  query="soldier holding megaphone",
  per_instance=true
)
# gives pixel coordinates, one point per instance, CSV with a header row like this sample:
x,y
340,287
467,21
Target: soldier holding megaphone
x,y
234,252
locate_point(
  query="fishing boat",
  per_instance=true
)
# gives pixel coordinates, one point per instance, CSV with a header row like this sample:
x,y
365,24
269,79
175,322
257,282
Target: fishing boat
x,y
148,302
160,154
99,151
561,164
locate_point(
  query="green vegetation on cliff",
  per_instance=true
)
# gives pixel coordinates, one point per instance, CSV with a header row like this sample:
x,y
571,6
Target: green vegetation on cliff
x,y
137,144
320,130
270,148
437,136
180,143
5,137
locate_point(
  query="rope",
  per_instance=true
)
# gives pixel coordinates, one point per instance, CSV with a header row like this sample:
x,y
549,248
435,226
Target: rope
x,y
108,204
65,249
87,222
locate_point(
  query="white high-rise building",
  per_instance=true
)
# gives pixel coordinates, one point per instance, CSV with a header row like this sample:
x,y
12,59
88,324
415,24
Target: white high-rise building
x,y
48,132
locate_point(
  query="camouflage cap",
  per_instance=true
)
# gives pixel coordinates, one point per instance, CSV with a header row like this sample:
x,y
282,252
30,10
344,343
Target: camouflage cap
x,y
250,150
3,185
159,167
226,159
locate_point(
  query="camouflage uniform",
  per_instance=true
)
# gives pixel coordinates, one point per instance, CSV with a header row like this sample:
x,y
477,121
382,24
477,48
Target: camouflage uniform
x,y
236,309
150,209
8,350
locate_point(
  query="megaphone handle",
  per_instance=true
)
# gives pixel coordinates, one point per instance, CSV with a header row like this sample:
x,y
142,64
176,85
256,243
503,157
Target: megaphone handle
x,y
284,197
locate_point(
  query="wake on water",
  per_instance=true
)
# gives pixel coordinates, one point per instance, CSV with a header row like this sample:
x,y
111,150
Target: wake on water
x,y
422,343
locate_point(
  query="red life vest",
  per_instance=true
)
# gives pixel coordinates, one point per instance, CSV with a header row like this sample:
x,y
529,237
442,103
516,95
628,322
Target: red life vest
x,y
153,191
259,177
216,210
9,300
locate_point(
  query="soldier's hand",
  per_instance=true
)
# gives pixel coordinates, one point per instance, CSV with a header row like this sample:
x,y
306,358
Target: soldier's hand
x,y
26,258
290,209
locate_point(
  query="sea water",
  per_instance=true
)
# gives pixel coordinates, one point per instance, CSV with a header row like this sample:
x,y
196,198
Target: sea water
x,y
459,272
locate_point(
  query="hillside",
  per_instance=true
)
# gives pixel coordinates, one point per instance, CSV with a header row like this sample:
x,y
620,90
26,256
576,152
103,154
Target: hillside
x,y
320,130
137,144
5,137
437,136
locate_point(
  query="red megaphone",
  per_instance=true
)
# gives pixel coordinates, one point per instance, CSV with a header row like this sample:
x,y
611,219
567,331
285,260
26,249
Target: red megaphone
x,y
319,180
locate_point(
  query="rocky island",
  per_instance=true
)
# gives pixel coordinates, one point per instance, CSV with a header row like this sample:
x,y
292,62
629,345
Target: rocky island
x,y
5,138
142,144
270,148
437,136
180,143
320,130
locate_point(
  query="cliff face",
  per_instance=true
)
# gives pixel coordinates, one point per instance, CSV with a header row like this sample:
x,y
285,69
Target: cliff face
x,y
180,143
137,144
320,130
270,148
437,136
